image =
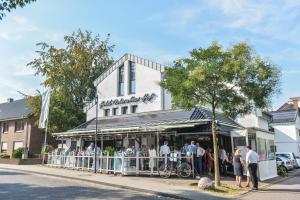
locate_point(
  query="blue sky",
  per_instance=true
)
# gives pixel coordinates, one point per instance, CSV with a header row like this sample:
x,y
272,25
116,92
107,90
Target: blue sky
x,y
160,30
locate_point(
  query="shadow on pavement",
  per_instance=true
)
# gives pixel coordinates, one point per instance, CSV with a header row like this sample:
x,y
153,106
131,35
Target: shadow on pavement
x,y
17,191
10,173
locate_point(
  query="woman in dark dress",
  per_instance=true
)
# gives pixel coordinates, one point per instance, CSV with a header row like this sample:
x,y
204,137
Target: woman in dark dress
x,y
238,165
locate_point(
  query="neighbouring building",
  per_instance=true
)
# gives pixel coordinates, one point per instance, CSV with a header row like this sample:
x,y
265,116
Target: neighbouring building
x,y
260,136
17,128
286,124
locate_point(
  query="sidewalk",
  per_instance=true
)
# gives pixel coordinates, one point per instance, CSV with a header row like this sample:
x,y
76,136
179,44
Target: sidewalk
x,y
175,188
163,187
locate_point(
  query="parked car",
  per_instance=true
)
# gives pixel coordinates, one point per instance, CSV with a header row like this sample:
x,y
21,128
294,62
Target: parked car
x,y
289,155
286,163
298,160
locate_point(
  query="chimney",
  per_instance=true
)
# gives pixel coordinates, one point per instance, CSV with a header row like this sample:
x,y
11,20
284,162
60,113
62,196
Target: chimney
x,y
295,102
9,100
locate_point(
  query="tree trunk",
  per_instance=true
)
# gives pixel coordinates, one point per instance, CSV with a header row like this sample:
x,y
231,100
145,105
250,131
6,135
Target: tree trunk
x,y
216,150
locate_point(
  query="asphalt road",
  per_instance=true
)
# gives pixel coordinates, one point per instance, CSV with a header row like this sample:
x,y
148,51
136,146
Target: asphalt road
x,y
288,190
16,185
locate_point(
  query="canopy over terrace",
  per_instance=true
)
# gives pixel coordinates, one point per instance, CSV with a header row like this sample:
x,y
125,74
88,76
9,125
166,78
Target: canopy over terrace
x,y
159,123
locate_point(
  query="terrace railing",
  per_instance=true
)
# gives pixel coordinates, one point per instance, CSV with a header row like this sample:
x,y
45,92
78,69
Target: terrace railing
x,y
119,163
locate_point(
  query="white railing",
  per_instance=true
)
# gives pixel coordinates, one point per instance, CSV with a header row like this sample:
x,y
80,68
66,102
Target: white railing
x,y
117,164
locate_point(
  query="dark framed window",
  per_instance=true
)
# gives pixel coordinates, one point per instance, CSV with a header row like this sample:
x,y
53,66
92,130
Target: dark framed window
x,y
4,147
134,109
121,81
131,77
106,112
5,127
115,111
19,125
124,110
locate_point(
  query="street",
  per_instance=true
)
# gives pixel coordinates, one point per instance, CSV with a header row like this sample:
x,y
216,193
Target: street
x,y
288,189
16,185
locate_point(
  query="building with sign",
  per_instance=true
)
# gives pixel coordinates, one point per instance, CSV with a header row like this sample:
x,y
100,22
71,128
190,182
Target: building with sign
x,y
134,110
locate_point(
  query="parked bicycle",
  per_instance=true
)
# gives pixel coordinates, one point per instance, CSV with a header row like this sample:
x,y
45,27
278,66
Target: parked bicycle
x,y
174,164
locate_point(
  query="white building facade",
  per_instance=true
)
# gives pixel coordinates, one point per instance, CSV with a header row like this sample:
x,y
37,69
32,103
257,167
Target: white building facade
x,y
130,86
286,124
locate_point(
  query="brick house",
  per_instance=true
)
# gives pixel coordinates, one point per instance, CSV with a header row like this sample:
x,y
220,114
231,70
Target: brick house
x,y
17,128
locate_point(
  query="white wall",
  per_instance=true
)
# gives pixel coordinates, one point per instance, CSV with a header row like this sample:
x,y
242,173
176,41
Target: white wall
x,y
286,138
147,81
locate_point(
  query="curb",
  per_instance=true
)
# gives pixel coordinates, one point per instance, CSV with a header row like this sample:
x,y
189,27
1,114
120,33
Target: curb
x,y
163,194
267,185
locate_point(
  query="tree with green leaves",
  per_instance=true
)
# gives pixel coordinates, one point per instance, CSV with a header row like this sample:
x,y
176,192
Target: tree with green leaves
x,y
70,72
235,80
8,5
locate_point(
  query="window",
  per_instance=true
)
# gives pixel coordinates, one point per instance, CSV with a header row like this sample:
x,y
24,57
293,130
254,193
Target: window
x,y
5,127
271,149
18,145
19,125
131,77
261,149
4,147
115,111
134,109
121,81
124,110
106,112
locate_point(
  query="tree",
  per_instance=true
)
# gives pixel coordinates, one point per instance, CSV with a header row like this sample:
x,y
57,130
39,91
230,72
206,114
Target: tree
x,y
8,5
234,80
70,72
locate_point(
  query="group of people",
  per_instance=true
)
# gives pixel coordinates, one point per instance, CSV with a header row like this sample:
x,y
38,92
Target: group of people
x,y
251,164
203,158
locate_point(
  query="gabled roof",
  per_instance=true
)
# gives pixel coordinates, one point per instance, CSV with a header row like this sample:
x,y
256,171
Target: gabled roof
x,y
132,58
284,116
14,110
166,118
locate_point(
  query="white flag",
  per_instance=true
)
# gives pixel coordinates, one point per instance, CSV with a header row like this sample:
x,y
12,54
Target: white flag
x,y
45,108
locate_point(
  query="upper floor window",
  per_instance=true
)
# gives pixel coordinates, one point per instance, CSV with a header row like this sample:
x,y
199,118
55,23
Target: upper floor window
x,y
131,77
19,125
4,127
134,109
124,110
121,81
115,111
106,112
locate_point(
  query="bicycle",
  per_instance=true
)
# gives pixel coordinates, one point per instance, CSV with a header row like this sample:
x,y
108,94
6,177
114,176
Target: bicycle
x,y
174,164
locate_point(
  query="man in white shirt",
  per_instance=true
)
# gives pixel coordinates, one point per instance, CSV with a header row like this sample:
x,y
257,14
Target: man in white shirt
x,y
252,161
164,149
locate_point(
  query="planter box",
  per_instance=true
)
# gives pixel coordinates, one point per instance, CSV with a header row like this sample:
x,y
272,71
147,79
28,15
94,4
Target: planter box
x,y
18,161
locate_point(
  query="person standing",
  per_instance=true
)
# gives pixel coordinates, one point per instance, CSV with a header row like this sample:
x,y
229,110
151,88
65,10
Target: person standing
x,y
209,161
152,156
238,166
199,157
222,160
165,151
252,161
184,149
193,150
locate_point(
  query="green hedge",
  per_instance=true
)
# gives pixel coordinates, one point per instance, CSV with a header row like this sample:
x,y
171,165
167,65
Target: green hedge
x,y
18,153
4,156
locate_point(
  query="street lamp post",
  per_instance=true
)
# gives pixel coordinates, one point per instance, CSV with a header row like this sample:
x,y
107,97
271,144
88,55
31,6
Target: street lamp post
x,y
96,135
87,100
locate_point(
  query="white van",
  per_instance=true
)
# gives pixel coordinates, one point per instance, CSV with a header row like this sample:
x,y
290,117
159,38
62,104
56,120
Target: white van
x,y
289,155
